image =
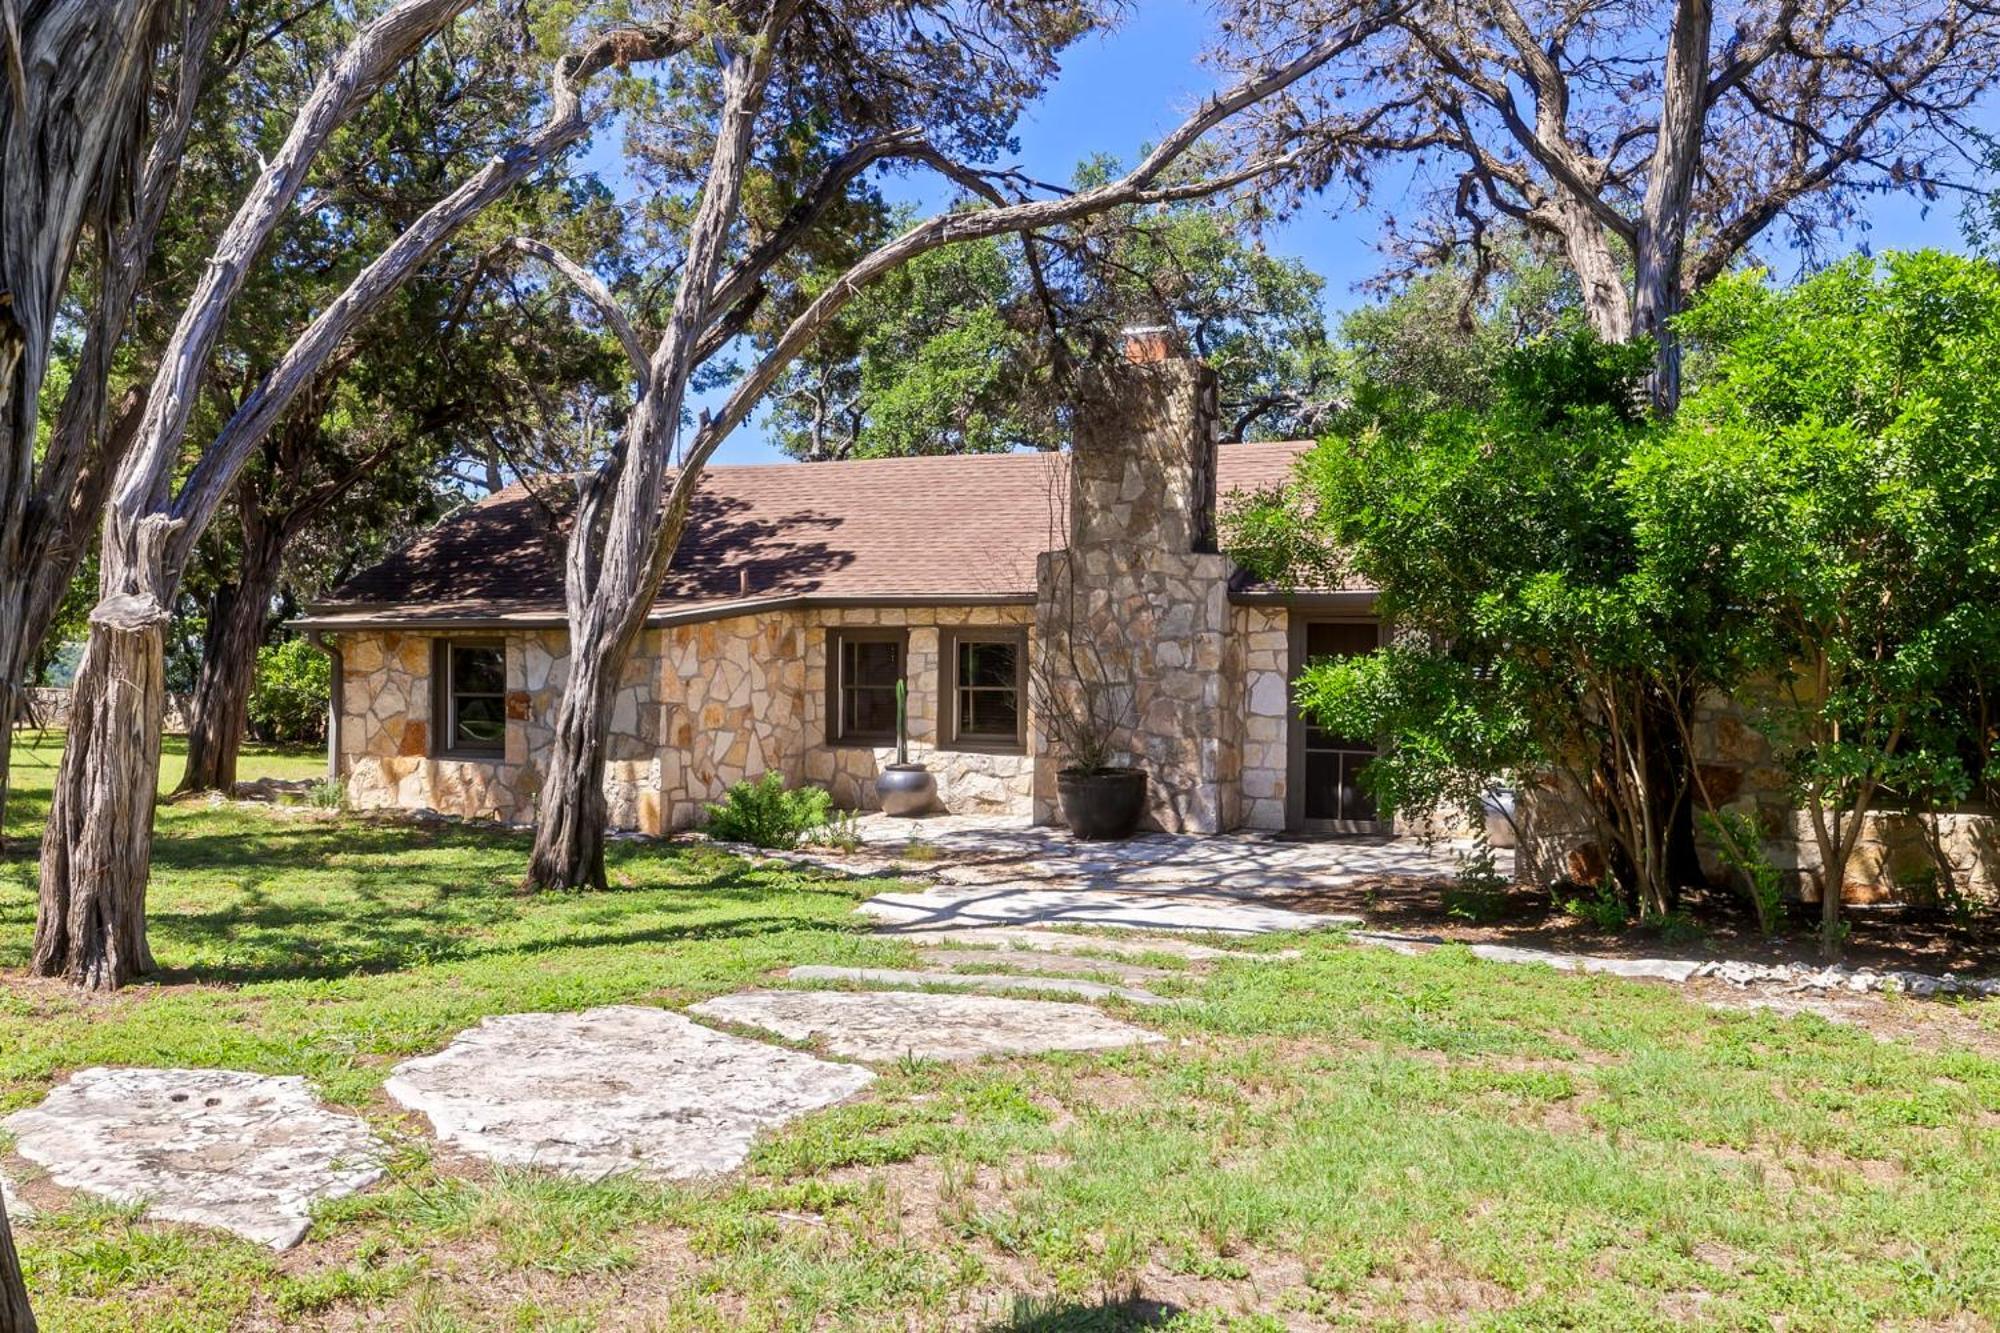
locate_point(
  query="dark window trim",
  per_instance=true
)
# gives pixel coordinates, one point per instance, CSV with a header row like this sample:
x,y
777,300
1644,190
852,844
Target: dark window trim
x,y
442,729
836,637
949,637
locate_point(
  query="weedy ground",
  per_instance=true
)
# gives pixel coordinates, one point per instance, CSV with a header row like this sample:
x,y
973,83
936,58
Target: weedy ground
x,y
1349,1138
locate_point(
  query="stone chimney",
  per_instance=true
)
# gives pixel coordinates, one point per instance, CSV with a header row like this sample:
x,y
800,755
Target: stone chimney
x,y
1141,592
1143,464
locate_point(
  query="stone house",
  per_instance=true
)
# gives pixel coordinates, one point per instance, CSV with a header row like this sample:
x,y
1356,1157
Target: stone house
x,y
802,592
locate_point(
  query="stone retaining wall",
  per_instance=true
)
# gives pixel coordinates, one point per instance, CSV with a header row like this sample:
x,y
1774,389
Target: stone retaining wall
x,y
1891,863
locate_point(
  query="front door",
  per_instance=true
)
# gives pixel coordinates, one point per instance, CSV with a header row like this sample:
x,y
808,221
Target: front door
x,y
1327,795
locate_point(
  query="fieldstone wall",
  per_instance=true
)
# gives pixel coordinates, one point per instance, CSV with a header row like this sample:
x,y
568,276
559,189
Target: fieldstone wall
x,y
700,708
1263,635
1139,599
969,782
1892,862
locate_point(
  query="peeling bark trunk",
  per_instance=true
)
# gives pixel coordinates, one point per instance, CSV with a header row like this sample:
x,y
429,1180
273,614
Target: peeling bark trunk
x,y
219,713
571,812
1663,218
91,928
613,569
1598,273
15,1314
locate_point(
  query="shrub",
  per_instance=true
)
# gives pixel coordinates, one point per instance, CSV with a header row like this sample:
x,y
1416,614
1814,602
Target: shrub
x,y
765,814
327,794
288,701
1607,911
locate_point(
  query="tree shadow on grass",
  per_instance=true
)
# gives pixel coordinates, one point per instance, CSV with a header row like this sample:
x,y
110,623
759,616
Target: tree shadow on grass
x,y
404,897
1032,1315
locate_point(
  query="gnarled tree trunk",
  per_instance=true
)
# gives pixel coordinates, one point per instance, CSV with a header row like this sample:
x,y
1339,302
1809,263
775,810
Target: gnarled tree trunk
x,y
91,928
570,811
220,710
15,1315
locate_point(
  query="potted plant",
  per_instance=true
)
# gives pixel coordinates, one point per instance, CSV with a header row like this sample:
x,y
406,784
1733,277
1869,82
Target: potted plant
x,y
904,788
1086,702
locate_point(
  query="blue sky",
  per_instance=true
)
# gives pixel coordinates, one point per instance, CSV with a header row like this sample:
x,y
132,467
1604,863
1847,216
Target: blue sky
x,y
1128,87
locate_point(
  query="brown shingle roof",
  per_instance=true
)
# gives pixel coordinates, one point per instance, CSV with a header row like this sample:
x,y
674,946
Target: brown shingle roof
x,y
964,528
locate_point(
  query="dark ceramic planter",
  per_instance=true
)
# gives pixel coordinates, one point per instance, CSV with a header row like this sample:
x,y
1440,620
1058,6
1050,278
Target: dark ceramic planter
x,y
1102,805
906,790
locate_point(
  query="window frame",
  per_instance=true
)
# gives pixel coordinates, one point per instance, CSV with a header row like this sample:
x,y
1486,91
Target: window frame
x,y
444,698
949,737
837,639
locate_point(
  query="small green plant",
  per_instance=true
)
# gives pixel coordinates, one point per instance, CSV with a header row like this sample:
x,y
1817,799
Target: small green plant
x,y
1679,927
765,813
1606,909
327,794
1742,850
842,831
919,850
1479,893
902,721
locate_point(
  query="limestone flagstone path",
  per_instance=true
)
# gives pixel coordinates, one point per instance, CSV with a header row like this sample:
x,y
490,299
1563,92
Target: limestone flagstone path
x,y
890,1025
620,1088
249,1153
1076,987
1036,939
958,906
1046,961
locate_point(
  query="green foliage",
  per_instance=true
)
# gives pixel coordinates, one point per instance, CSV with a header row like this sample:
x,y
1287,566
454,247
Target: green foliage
x,y
968,349
1604,909
327,794
288,701
1741,847
1832,490
764,813
1501,545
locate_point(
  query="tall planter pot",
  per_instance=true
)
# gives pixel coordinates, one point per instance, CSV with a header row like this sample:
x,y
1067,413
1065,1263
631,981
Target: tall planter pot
x,y
906,790
1102,804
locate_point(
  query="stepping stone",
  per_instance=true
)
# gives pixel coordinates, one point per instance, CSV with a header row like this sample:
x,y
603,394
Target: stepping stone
x,y
1041,940
1163,911
1045,962
890,1025
1640,969
249,1153
993,981
621,1088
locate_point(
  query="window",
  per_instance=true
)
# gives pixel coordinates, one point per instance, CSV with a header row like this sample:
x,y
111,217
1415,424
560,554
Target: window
x,y
863,667
984,685
469,704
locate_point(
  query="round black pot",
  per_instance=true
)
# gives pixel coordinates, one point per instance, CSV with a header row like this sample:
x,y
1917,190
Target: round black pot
x,y
906,789
1103,804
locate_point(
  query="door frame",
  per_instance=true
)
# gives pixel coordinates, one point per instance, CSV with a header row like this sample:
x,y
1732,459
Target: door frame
x,y
1295,731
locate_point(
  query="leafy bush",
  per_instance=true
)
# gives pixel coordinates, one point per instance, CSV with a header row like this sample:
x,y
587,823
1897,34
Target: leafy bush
x,y
765,814
289,700
327,794
1607,911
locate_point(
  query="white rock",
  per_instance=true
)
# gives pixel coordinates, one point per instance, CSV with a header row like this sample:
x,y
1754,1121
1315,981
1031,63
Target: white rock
x,y
889,1025
249,1153
986,981
18,1210
621,1088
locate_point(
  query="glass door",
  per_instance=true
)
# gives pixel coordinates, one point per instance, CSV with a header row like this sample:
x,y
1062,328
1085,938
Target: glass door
x,y
1327,766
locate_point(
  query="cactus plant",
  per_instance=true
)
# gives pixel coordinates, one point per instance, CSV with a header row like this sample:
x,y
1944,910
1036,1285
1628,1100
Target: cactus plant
x,y
902,721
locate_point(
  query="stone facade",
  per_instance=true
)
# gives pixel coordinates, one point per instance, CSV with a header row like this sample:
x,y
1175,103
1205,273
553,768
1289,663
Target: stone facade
x,y
1136,609
701,707
1262,634
1138,590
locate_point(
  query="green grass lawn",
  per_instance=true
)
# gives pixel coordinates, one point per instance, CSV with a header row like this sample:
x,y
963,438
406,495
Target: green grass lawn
x,y
1353,1138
